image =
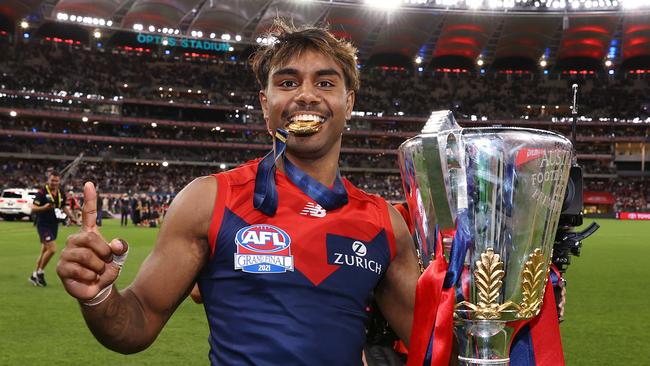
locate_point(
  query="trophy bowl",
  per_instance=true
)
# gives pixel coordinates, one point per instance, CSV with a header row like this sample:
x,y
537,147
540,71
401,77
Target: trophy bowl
x,y
503,188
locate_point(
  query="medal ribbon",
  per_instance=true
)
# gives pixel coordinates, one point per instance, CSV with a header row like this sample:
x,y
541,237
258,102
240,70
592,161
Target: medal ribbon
x,y
265,197
58,195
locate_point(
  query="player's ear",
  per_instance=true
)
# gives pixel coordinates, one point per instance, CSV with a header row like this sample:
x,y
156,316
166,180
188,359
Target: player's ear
x,y
349,104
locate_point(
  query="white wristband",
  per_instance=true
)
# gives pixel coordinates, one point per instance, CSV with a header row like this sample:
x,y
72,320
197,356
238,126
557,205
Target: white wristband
x,y
101,296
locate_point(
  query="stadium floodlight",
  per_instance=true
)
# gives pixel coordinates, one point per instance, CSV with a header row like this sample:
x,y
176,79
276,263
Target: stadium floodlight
x,y
165,164
97,34
109,23
164,30
176,31
225,37
152,28
418,60
62,16
259,40
608,63
73,18
13,113
193,33
95,21
165,42
543,63
222,166
24,24
238,38
199,34
84,119
138,27
474,4
154,124
231,48
213,35
480,62
383,4
102,22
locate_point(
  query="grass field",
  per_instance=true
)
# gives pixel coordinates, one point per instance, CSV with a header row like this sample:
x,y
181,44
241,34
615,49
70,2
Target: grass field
x,y
606,318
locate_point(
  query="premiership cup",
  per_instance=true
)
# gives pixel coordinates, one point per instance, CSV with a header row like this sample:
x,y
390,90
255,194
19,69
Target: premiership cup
x,y
503,188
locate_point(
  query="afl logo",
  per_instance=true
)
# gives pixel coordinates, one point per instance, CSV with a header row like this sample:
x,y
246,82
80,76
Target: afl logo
x,y
263,238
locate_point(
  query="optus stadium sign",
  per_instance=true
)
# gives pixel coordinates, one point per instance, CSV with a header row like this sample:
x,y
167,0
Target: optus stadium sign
x,y
192,44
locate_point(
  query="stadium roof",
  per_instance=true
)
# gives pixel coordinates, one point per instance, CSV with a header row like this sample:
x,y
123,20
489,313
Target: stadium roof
x,y
392,37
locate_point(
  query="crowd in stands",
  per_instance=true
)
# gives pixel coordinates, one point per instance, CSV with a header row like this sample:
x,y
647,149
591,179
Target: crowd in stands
x,y
160,184
117,75
51,67
631,194
151,180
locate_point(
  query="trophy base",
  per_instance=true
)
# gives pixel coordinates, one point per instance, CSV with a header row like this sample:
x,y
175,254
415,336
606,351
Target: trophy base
x,y
483,342
466,361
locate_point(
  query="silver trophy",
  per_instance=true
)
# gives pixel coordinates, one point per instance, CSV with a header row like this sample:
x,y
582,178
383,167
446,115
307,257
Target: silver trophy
x,y
504,188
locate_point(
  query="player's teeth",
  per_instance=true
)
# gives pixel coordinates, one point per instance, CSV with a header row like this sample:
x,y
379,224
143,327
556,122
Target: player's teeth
x,y
306,118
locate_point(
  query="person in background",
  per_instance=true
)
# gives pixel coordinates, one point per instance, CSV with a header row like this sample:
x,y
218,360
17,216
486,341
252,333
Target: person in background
x,y
100,208
125,209
48,198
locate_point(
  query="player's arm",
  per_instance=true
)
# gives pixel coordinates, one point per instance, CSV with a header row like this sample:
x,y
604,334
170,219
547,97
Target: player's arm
x,y
45,207
38,206
130,320
396,292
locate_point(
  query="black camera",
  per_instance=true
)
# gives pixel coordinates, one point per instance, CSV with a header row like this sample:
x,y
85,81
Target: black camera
x,y
567,241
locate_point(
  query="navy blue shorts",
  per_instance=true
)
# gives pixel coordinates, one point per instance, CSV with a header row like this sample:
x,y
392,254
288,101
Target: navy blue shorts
x,y
47,232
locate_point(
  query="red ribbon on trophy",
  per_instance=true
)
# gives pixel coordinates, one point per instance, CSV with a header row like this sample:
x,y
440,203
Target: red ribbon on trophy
x,y
431,339
537,343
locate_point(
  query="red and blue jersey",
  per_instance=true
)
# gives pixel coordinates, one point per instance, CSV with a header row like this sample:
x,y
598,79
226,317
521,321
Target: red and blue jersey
x,y
291,289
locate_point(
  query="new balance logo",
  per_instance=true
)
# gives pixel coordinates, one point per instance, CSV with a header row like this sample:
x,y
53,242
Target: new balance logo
x,y
313,209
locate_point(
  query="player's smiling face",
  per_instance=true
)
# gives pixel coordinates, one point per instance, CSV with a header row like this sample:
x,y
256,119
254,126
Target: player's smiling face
x,y
308,97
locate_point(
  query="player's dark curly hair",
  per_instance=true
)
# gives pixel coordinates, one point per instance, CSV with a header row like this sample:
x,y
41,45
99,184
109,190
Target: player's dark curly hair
x,y
287,40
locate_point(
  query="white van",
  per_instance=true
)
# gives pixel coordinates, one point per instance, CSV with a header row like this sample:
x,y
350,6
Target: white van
x,y
15,203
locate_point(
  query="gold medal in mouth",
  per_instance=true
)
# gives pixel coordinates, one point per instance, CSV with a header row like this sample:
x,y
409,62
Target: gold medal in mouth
x,y
304,124
303,128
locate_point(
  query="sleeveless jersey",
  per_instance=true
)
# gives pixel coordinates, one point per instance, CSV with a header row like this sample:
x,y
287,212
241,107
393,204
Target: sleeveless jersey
x,y
291,289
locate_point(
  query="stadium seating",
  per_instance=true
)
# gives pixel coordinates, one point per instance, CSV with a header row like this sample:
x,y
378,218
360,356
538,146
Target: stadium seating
x,y
127,112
